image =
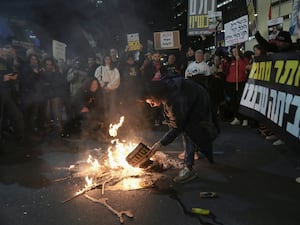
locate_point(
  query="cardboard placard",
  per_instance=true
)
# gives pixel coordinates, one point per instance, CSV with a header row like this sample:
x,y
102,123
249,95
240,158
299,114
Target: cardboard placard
x,y
166,40
133,41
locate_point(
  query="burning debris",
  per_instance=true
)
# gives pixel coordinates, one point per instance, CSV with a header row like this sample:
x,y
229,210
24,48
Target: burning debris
x,y
111,171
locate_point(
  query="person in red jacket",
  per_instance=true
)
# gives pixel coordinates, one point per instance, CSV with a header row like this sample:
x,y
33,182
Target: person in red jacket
x,y
235,83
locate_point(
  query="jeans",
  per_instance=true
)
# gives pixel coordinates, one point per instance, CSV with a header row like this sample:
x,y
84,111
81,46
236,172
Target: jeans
x,y
190,148
8,105
53,111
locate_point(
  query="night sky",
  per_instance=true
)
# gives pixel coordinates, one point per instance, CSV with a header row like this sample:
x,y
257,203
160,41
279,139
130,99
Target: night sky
x,y
108,22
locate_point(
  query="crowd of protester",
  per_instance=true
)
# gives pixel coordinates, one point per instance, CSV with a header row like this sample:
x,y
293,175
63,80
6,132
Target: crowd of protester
x,y
43,96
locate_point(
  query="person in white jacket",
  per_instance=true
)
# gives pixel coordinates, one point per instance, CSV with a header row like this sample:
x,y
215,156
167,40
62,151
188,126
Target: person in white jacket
x,y
109,79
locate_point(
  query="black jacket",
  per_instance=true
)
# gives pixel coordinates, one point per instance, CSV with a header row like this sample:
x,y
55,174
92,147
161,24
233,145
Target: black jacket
x,y
187,106
54,85
92,100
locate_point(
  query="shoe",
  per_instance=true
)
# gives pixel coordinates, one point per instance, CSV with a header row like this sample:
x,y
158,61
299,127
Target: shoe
x,y
235,122
245,123
278,142
271,137
181,156
185,175
63,134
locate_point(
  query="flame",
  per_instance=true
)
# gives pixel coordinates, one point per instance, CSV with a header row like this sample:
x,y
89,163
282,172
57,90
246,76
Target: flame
x,y
94,162
117,154
116,162
117,158
131,184
113,128
89,184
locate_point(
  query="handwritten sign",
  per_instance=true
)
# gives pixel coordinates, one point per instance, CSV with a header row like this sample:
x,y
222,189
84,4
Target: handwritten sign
x,y
133,41
59,50
236,31
166,40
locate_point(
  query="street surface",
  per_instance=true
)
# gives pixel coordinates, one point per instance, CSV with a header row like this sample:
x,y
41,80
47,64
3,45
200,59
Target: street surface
x,y
255,183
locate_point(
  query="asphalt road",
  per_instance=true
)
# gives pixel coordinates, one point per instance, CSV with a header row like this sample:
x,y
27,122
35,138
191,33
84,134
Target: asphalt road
x,y
254,180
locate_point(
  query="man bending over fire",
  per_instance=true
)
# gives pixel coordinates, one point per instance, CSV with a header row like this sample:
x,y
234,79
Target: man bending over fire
x,y
187,108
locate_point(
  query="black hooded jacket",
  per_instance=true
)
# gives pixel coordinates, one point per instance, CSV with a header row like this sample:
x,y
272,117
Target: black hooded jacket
x,y
187,107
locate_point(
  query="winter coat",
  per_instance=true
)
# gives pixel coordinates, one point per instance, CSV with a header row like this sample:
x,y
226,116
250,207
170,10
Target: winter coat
x,y
92,100
130,81
54,85
187,107
30,86
109,78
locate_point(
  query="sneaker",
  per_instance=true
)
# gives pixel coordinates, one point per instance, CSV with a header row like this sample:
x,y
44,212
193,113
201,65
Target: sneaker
x,y
181,156
271,137
235,122
185,175
62,133
278,142
245,123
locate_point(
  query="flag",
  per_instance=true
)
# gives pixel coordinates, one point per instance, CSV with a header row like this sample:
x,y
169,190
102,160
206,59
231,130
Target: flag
x,y
252,18
270,11
295,20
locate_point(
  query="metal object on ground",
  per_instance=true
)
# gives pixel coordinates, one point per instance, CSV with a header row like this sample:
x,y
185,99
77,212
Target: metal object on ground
x,y
139,155
208,195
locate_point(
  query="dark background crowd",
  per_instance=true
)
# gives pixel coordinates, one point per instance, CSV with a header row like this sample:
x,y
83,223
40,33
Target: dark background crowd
x,y
42,96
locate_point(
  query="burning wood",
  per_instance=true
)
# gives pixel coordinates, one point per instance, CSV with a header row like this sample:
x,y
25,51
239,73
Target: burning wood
x,y
115,173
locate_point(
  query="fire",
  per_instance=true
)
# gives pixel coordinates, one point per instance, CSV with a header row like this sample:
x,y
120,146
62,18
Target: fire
x,y
113,128
89,183
94,162
115,164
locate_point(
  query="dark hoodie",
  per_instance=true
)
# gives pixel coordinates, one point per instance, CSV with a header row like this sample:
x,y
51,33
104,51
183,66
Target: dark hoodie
x,y
187,107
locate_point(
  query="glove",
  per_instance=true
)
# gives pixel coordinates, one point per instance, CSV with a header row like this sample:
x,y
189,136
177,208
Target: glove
x,y
156,147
